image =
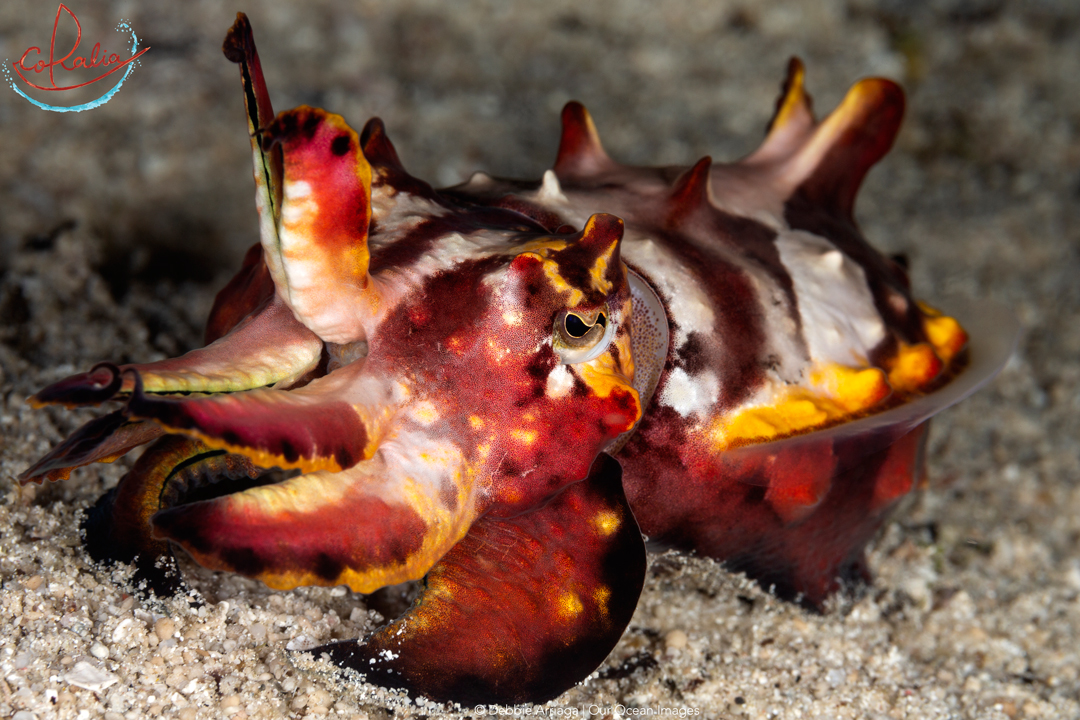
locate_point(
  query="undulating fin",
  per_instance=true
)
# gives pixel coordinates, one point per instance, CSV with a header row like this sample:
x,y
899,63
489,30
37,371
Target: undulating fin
x,y
322,249
793,121
690,192
522,608
118,529
580,152
246,292
384,521
268,347
239,47
103,439
831,163
311,428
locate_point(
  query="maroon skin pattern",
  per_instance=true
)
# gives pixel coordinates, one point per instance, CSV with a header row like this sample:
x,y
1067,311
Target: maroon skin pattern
x,y
450,312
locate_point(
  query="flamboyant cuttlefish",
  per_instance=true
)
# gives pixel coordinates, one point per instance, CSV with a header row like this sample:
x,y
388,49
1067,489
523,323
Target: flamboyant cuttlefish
x,y
453,374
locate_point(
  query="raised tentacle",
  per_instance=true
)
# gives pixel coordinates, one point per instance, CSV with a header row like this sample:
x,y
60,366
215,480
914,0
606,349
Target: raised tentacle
x,y
320,260
522,608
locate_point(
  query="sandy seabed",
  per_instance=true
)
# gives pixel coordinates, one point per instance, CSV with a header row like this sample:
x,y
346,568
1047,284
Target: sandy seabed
x,y
117,226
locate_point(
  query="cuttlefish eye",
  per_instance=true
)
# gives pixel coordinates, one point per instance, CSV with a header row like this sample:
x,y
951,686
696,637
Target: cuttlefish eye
x,y
578,339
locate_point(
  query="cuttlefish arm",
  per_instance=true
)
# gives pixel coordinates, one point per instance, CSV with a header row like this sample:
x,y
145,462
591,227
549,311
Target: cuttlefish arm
x,y
269,347
103,439
519,610
331,423
117,527
384,521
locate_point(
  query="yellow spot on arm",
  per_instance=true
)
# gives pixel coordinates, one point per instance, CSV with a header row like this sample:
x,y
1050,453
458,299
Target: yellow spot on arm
x,y
475,422
525,436
601,595
607,522
569,605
